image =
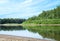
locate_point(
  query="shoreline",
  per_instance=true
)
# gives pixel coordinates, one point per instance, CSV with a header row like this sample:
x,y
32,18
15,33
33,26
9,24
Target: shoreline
x,y
18,38
10,24
29,24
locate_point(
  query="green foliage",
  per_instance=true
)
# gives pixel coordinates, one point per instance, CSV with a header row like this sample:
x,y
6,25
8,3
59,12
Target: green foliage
x,y
11,20
46,17
51,14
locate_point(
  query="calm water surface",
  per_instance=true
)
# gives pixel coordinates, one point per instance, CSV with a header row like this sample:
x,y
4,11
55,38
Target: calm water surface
x,y
50,33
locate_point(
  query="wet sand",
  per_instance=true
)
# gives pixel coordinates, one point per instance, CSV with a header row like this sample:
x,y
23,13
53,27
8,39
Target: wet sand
x,y
18,38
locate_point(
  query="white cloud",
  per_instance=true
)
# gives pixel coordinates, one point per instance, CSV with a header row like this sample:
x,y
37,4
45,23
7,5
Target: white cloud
x,y
3,1
19,7
27,1
25,8
11,7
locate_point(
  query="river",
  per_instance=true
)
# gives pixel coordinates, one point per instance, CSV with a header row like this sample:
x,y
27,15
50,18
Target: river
x,y
48,33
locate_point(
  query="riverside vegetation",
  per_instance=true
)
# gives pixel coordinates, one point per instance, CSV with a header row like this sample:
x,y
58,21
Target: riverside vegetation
x,y
11,21
46,17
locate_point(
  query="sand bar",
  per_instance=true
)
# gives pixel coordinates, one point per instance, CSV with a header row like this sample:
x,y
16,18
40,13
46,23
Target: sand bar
x,y
18,38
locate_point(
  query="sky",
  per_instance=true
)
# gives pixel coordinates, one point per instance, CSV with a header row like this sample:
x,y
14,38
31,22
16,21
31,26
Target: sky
x,y
25,8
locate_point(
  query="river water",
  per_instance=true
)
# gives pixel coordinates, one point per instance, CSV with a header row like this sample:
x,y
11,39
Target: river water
x,y
35,32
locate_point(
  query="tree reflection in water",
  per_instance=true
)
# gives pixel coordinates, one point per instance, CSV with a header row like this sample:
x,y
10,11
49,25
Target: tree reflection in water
x,y
52,32
11,28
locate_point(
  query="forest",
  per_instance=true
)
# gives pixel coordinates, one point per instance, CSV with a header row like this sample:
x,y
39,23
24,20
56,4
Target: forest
x,y
46,17
11,20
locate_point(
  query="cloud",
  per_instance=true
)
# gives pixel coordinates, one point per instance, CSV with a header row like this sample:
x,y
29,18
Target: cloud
x,y
25,8
11,7
3,1
18,7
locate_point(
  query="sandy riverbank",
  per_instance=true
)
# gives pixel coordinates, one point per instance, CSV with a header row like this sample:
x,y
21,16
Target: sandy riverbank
x,y
29,24
10,24
18,38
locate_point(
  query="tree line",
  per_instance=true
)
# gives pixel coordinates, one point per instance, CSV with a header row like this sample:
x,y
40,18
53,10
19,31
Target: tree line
x,y
11,20
46,17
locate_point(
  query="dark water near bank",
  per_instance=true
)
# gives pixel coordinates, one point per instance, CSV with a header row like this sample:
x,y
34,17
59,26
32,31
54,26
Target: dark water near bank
x,y
41,32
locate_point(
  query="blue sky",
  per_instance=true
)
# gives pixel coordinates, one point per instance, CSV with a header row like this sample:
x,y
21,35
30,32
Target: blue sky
x,y
25,8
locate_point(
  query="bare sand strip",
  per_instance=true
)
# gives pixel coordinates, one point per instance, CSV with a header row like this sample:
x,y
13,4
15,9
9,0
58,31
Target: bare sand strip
x,y
10,24
18,38
29,24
